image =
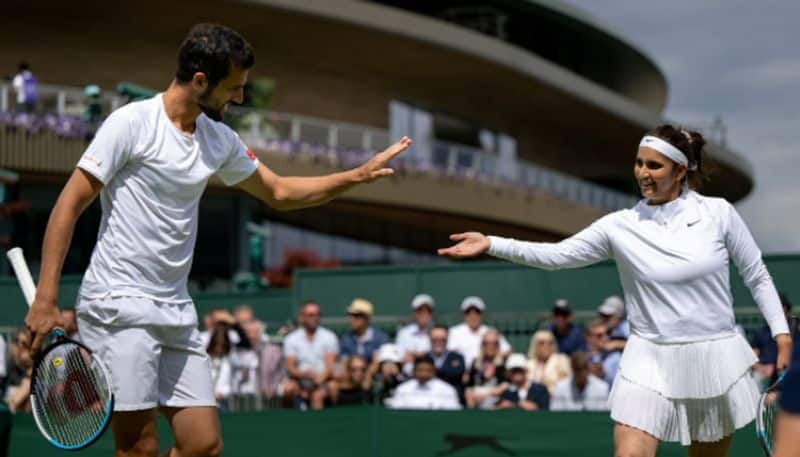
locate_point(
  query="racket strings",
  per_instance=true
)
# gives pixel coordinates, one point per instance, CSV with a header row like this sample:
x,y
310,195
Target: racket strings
x,y
71,395
768,412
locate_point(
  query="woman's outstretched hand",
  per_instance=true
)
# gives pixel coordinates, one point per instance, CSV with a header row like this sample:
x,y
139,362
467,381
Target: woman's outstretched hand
x,y
469,244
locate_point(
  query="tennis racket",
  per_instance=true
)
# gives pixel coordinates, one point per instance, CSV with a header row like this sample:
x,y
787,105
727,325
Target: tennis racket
x,y
71,392
767,413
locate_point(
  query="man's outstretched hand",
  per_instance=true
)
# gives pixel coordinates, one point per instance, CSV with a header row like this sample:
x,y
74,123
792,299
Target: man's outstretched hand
x,y
376,167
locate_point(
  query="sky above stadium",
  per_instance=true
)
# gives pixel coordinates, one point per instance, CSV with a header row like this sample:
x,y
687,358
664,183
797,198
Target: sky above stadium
x,y
738,59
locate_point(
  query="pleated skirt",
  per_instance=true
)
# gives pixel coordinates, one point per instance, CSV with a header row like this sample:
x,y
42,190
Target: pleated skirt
x,y
684,392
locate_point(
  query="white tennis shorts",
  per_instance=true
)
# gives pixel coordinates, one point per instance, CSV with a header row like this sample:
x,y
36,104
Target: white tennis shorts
x,y
153,350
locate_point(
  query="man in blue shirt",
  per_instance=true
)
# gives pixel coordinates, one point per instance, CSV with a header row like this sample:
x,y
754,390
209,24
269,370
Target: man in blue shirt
x,y
569,336
450,366
362,339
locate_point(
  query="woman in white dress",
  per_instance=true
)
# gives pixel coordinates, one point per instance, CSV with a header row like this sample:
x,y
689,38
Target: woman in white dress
x,y
684,374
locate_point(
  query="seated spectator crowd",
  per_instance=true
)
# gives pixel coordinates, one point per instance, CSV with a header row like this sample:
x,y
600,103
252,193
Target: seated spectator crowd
x,y
427,366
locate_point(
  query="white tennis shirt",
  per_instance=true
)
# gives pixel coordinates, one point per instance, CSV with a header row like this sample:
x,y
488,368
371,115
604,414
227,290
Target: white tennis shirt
x,y
673,264
153,176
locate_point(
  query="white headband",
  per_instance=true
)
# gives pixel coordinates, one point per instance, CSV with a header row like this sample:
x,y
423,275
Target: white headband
x,y
667,149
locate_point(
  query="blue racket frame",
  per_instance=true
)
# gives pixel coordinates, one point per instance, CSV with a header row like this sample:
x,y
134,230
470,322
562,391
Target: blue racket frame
x,y
61,339
763,439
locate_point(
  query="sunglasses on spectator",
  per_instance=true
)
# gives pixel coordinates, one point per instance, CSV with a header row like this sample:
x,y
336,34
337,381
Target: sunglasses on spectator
x,y
544,342
493,343
438,339
357,315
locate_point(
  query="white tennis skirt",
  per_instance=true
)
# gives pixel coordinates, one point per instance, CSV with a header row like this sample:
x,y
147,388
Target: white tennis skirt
x,y
685,392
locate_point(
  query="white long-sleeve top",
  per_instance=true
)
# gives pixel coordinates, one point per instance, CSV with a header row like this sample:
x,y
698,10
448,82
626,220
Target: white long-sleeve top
x,y
673,264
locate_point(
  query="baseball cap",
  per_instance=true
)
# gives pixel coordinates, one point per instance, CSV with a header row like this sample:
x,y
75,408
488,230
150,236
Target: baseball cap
x,y
562,307
612,306
516,361
473,302
421,300
389,352
360,306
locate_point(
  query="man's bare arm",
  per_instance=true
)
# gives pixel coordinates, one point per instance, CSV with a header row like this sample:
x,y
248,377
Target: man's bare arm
x,y
290,192
79,192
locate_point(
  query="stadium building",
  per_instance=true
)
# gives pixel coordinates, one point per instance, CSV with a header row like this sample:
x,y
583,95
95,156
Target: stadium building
x,y
525,116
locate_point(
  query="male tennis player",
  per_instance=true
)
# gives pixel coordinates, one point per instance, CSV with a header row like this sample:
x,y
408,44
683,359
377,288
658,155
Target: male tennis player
x,y
150,162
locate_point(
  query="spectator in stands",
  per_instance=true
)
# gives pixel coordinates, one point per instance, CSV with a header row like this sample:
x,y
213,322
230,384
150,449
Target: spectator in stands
x,y
389,372
256,336
612,311
243,314
19,373
357,387
219,350
272,373
413,339
362,339
569,336
310,352
602,362
522,392
70,323
465,338
3,365
582,391
208,325
450,366
545,364
425,391
244,363
94,106
223,316
486,379
764,345
26,87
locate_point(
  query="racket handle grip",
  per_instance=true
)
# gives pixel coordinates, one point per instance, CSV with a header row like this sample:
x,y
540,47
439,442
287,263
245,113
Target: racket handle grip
x,y
17,259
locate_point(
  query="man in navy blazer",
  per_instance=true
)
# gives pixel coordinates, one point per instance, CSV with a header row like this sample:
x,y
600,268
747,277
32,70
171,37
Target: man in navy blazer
x,y
450,366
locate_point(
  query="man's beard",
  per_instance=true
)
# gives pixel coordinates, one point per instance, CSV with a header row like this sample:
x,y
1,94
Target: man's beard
x,y
213,113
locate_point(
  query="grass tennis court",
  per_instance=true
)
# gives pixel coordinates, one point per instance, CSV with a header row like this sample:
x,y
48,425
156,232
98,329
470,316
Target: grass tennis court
x,y
373,432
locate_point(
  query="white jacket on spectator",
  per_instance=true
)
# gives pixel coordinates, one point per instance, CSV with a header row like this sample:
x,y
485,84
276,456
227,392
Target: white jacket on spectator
x,y
435,394
244,363
412,338
221,375
463,340
567,397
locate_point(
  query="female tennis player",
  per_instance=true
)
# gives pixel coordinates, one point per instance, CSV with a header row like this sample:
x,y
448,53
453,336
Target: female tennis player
x,y
150,162
684,373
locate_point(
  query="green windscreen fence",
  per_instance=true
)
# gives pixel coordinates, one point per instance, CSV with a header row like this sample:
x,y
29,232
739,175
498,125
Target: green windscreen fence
x,y
377,432
505,287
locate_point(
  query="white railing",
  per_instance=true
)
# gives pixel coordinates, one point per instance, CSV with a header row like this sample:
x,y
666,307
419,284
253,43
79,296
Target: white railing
x,y
62,100
346,144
